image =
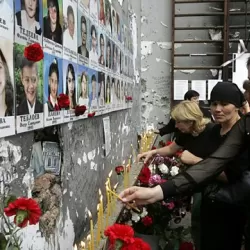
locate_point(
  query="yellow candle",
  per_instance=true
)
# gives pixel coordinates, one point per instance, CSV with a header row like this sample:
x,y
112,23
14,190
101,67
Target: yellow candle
x,y
83,246
108,180
98,233
89,242
114,198
124,175
108,206
101,213
91,230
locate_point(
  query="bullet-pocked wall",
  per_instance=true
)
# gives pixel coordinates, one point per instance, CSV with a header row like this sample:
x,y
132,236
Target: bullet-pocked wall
x,y
84,168
156,35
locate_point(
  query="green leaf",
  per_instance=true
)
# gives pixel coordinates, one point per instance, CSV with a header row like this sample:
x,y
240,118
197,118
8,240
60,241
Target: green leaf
x,y
3,241
9,199
118,244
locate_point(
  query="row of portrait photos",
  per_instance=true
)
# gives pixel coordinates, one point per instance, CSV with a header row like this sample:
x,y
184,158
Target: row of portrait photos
x,y
88,55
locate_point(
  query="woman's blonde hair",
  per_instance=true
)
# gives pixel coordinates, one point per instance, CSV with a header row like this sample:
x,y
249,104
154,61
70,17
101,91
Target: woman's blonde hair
x,y
190,111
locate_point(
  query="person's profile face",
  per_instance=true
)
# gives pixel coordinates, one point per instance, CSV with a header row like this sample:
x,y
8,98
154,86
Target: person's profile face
x,y
53,14
93,40
30,7
84,85
29,80
84,33
195,99
70,84
102,46
2,77
71,24
53,85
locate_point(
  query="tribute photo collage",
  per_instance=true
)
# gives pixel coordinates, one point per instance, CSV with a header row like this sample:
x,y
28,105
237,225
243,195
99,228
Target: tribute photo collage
x,y
88,56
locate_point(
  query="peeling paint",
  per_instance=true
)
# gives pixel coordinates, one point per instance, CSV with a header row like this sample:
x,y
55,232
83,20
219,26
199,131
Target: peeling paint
x,y
91,155
93,166
79,161
214,72
163,24
145,69
165,45
162,60
146,48
186,71
143,19
120,2
215,35
70,125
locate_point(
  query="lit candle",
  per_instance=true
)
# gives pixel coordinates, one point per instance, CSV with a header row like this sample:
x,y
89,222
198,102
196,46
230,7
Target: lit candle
x,y
124,174
98,233
101,213
75,247
89,242
114,198
83,246
108,205
108,180
91,230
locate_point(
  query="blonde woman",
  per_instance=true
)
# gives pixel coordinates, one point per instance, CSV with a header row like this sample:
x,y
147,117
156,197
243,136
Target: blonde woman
x,y
194,130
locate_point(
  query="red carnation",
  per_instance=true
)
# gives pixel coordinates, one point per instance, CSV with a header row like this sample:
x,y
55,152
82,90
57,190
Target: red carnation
x,y
168,143
119,169
91,114
179,153
138,244
124,233
25,210
186,246
153,147
34,52
63,101
80,110
144,175
128,98
147,221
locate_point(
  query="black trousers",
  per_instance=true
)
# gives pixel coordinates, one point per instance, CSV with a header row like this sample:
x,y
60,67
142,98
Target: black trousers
x,y
222,225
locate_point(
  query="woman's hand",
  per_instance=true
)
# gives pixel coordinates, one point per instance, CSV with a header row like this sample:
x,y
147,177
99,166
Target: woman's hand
x,y
146,155
142,195
188,158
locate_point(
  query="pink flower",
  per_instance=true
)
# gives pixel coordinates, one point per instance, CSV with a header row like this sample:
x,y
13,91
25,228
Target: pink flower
x,y
170,205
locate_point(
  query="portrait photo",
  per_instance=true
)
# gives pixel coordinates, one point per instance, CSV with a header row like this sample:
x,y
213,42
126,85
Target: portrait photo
x,y
93,89
93,54
70,25
83,27
53,87
29,83
114,57
28,15
108,53
114,23
83,88
102,47
108,90
108,20
101,12
85,5
53,20
7,16
101,89
7,94
93,9
70,82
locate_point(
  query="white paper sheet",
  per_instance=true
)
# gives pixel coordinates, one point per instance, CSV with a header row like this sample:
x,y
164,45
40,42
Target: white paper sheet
x,y
210,85
107,134
180,88
240,73
200,87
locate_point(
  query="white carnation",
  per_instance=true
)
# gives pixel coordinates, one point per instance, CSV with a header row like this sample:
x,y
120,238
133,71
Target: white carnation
x,y
135,217
151,167
163,168
174,171
144,213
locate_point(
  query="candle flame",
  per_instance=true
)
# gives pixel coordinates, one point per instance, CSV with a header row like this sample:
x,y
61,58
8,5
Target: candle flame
x,y
98,207
115,186
101,198
75,247
83,244
100,192
90,215
110,173
123,163
89,237
130,156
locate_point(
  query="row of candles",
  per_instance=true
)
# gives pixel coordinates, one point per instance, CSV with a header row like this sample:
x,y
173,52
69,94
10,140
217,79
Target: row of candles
x,y
147,139
103,221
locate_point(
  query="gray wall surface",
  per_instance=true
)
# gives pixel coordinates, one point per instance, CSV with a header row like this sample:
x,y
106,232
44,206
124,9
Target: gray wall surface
x,y
84,166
